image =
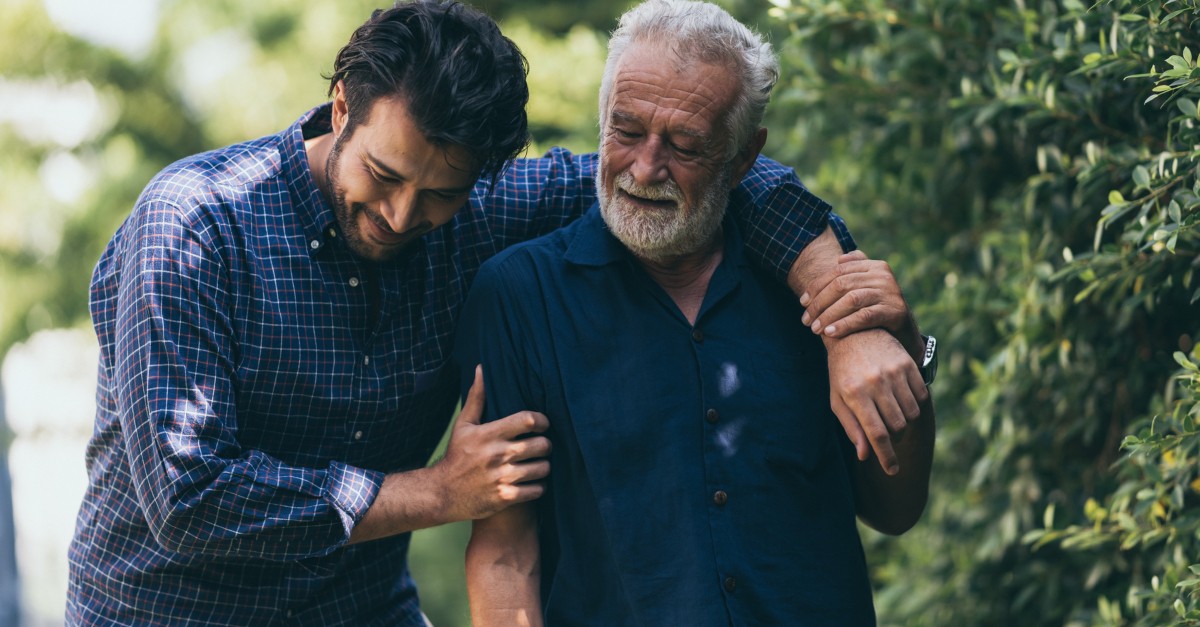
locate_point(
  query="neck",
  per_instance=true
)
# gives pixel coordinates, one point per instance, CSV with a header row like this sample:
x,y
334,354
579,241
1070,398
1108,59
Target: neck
x,y
317,150
685,277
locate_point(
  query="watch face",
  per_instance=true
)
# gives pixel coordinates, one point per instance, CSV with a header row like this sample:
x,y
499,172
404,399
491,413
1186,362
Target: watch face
x,y
929,363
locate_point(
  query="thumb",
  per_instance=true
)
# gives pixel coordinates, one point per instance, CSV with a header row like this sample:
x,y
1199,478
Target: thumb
x,y
472,409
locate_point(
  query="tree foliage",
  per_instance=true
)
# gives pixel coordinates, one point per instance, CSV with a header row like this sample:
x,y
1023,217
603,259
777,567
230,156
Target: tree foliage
x,y
1030,170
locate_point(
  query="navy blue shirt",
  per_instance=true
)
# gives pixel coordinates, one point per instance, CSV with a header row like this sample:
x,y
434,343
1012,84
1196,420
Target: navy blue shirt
x,y
698,476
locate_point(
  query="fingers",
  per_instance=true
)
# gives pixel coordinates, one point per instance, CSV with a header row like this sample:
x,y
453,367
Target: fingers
x,y
918,389
840,282
850,425
520,493
472,409
518,424
818,285
530,472
876,432
913,394
852,312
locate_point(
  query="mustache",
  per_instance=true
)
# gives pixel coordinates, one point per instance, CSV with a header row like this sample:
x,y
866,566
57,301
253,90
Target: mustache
x,y
667,190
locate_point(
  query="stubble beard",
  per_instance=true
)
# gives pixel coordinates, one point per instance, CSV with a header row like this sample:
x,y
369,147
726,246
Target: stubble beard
x,y
347,214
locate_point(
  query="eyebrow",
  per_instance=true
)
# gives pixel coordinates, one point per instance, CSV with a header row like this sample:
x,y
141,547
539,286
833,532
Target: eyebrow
x,y
623,116
381,166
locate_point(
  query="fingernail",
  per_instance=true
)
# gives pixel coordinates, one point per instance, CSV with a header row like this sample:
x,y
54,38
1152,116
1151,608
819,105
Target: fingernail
x,y
804,298
816,326
893,469
805,318
830,330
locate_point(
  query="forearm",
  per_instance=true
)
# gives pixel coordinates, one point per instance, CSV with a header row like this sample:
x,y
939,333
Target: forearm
x,y
503,570
893,504
407,501
818,259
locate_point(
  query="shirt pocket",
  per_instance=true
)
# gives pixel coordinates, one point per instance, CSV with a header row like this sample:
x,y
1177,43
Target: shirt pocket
x,y
788,401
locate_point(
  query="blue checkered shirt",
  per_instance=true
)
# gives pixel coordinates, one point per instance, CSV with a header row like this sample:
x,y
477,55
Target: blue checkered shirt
x,y
257,381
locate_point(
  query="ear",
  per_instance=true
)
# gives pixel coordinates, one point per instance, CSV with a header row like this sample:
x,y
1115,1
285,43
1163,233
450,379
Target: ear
x,y
745,157
341,111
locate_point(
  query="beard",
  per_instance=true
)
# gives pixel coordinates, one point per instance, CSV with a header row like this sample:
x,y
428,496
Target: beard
x,y
348,214
661,234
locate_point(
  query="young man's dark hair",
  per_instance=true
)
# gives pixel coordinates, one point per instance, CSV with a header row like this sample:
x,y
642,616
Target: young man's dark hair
x,y
463,82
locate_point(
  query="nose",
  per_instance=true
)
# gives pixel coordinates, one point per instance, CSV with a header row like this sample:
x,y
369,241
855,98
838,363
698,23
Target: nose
x,y
401,210
650,162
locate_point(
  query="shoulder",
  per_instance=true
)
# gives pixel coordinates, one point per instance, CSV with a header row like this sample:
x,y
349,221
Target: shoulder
x,y
521,268
196,185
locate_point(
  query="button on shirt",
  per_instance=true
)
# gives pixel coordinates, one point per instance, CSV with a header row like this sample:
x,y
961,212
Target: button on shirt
x,y
698,475
257,380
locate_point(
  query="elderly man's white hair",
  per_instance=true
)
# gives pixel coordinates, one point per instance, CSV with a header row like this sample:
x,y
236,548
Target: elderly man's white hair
x,y
699,31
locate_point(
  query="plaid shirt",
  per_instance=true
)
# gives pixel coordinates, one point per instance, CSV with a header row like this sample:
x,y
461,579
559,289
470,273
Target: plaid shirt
x,y
257,381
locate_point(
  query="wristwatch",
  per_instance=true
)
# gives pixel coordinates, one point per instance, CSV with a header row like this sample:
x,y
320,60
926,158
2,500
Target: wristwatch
x,y
929,360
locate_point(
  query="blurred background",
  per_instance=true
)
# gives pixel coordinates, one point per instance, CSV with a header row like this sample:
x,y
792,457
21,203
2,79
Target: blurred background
x,y
1029,169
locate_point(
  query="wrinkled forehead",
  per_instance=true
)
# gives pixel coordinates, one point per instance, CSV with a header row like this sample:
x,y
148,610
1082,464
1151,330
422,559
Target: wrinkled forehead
x,y
649,76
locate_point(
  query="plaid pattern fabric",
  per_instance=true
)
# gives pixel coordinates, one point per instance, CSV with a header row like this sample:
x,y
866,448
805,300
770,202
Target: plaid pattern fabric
x,y
257,381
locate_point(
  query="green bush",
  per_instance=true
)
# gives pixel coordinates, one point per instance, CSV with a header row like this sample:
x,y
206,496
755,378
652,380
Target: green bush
x,y
1030,170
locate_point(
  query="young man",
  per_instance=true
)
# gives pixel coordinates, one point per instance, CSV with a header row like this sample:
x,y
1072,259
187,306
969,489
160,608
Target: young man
x,y
275,319
699,477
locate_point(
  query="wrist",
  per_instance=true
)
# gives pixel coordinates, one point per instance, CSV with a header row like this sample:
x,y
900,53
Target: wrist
x,y
835,344
911,339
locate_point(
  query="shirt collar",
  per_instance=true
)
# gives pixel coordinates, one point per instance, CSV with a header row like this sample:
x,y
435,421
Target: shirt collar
x,y
594,244
314,213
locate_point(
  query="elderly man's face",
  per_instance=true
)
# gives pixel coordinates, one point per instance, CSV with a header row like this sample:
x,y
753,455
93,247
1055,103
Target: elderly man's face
x,y
664,179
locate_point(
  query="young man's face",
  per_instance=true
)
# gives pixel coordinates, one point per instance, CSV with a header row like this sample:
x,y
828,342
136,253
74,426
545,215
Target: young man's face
x,y
387,183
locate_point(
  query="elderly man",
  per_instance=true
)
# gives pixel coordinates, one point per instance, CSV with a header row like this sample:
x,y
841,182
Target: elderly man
x,y
698,475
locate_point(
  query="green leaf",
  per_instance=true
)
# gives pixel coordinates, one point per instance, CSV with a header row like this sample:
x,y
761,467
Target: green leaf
x,y
1141,176
1132,17
1116,198
1182,360
1187,106
1178,62
1173,212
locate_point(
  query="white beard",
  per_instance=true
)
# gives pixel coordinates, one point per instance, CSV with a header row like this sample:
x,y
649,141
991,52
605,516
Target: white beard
x,y
661,234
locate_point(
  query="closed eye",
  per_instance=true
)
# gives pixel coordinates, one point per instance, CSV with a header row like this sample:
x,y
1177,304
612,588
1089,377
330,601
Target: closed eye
x,y
382,178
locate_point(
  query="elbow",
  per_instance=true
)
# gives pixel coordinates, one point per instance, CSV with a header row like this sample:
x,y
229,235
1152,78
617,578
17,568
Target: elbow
x,y
897,519
486,556
175,530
